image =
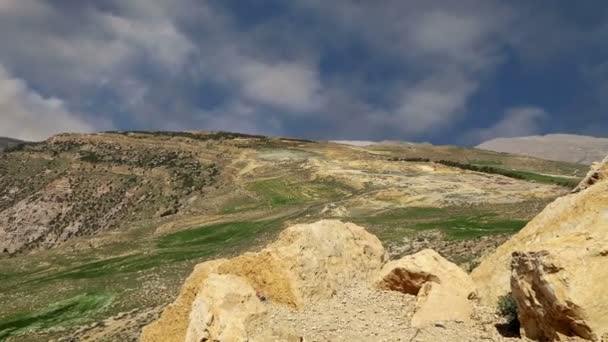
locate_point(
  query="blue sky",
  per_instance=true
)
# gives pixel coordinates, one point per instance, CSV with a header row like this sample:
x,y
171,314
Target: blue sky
x,y
456,72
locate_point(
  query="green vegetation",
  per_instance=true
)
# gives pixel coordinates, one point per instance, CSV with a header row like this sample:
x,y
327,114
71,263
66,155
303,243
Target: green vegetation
x,y
65,313
507,309
89,156
454,222
219,237
472,226
281,192
483,166
567,182
486,162
197,243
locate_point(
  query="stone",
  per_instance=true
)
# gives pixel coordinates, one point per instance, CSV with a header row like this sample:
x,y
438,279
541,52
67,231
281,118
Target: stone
x,y
546,306
573,232
307,263
574,227
222,309
173,322
441,287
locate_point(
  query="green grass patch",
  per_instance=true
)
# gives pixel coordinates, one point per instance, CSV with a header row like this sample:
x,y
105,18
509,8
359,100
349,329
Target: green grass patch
x,y
486,162
282,192
65,313
395,216
456,223
218,237
539,178
472,226
197,243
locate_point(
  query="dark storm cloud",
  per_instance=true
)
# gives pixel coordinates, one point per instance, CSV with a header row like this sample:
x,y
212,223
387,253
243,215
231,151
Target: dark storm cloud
x,y
324,69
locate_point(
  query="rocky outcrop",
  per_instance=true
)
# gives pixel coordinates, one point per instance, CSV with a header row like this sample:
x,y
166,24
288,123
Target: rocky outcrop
x,y
308,262
173,323
569,282
222,309
442,288
547,307
598,172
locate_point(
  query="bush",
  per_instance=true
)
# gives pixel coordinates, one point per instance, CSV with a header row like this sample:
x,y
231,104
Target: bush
x,y
507,308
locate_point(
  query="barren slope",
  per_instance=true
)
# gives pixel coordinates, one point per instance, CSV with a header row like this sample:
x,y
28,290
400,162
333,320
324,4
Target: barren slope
x,y
561,147
109,223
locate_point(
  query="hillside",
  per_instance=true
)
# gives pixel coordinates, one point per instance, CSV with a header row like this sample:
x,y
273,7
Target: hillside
x,y
8,142
105,227
560,147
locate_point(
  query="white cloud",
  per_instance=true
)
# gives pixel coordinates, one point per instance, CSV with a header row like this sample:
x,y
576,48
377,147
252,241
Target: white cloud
x,y
433,103
159,38
518,121
25,114
291,86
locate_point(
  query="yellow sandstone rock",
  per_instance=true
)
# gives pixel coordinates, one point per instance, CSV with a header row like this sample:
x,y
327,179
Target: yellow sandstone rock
x,y
442,288
573,230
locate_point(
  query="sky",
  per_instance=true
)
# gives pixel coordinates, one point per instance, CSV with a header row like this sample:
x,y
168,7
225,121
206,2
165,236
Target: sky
x,y
445,72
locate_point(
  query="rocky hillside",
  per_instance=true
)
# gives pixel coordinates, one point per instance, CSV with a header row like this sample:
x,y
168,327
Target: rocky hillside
x,y
561,147
555,268
8,142
99,231
326,281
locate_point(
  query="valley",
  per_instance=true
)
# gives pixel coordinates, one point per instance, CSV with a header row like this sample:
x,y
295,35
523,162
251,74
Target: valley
x,y
99,231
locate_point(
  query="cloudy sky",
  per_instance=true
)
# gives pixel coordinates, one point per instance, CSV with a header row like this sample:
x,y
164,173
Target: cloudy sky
x,y
422,70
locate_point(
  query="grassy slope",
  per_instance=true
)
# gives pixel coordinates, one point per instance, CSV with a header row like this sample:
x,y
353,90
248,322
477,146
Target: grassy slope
x,y
50,288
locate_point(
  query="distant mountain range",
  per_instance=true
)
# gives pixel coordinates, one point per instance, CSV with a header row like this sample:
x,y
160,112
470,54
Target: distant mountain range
x,y
7,142
561,147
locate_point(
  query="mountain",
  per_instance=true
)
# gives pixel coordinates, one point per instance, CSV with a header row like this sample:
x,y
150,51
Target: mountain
x,y
99,231
8,142
560,147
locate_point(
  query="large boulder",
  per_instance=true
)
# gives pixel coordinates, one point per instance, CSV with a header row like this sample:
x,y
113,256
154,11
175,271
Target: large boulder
x,y
308,262
173,322
442,288
574,230
547,306
222,309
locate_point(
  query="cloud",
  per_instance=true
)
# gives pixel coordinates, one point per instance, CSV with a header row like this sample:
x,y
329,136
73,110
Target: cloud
x,y
409,69
516,122
433,103
29,116
289,86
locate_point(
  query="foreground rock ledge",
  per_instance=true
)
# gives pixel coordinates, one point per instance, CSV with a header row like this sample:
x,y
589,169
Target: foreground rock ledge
x,y
559,269
308,263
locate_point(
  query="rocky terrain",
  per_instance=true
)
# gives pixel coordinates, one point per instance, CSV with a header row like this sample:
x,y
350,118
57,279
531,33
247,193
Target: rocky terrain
x,y
562,147
555,268
8,142
332,281
99,231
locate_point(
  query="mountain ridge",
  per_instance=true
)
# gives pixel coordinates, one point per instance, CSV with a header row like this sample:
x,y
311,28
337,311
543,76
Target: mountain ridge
x,y
559,147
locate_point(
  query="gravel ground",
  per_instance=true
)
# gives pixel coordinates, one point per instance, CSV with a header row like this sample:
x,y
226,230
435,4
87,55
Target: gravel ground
x,y
362,314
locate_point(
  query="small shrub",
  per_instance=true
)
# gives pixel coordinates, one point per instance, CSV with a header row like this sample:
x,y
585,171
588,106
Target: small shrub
x,y
507,307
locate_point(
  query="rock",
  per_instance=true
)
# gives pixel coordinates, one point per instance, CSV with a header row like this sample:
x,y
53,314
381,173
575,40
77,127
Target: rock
x,y
308,262
441,287
573,227
222,309
546,305
598,171
574,232
173,322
